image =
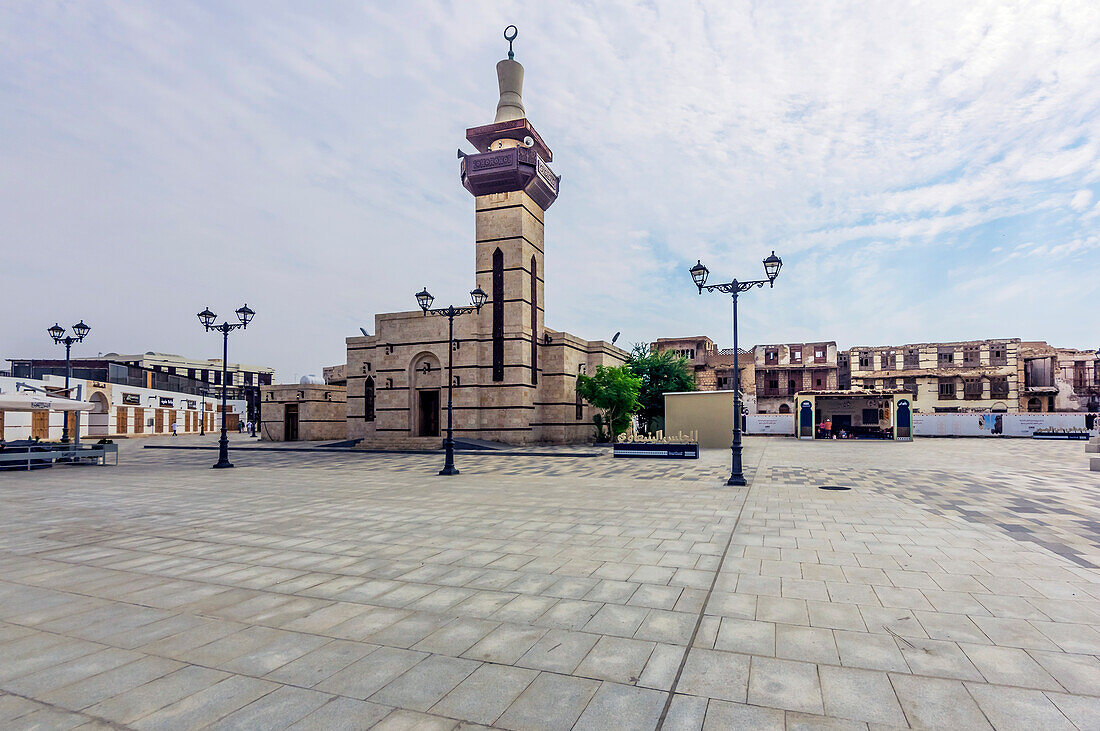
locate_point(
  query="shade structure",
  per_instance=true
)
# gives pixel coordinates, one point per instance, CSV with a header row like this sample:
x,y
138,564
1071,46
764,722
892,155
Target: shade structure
x,y
39,402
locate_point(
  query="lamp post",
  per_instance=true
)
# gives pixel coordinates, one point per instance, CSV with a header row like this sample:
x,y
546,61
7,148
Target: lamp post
x,y
424,299
699,274
202,414
59,338
207,318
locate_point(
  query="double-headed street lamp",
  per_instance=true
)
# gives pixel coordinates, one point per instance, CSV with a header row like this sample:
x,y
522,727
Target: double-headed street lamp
x,y
699,274
207,318
425,299
58,334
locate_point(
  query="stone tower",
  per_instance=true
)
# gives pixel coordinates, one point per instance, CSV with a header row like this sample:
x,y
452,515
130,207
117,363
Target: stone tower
x,y
513,187
514,378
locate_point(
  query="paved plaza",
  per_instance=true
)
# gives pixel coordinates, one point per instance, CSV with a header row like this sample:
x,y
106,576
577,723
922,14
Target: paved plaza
x,y
954,585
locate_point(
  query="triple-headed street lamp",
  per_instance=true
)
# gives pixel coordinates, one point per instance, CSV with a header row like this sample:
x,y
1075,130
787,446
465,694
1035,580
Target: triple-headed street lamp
x,y
699,274
424,299
58,334
207,318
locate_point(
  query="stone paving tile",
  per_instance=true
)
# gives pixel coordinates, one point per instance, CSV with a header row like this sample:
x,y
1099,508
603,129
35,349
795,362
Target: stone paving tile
x,y
786,684
549,702
621,706
485,694
343,714
425,683
208,705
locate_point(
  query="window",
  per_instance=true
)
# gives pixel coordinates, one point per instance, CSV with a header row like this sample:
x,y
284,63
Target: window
x,y
998,387
866,360
248,378
889,360
870,417
771,356
972,388
368,400
998,354
945,357
971,355
534,323
912,358
947,388
819,354
796,354
580,403
889,383
792,386
910,385
498,315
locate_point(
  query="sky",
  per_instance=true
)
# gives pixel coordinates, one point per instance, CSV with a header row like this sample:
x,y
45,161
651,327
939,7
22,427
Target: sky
x,y
927,171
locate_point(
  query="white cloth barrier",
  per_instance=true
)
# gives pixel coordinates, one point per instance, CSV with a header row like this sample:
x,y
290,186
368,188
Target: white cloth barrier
x,y
989,424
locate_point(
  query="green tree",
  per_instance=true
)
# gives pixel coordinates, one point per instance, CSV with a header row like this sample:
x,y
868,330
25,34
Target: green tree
x,y
660,373
613,390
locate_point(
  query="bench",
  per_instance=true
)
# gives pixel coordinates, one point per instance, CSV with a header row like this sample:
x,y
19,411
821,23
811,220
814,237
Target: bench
x,y
37,456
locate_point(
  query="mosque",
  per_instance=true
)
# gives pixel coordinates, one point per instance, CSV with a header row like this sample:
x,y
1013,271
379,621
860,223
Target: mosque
x,y
514,377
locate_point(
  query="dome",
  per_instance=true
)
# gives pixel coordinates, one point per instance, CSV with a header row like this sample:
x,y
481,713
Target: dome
x,y
311,380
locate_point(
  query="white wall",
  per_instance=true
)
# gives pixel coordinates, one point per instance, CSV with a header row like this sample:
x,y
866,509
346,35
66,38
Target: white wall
x,y
978,425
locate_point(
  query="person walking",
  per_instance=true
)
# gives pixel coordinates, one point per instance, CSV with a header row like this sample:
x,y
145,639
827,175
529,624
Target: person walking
x,y
175,428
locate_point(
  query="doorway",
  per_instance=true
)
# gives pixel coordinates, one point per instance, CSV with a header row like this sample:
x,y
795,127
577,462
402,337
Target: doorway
x,y
805,421
429,413
40,424
290,423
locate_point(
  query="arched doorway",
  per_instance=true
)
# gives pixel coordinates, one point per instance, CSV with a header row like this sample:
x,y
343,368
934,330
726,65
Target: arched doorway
x,y
905,420
784,408
806,420
1034,405
425,380
100,417
368,399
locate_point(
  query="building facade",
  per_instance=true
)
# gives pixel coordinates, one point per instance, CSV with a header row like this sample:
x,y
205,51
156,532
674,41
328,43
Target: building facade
x,y
713,368
121,410
515,378
786,369
303,412
975,375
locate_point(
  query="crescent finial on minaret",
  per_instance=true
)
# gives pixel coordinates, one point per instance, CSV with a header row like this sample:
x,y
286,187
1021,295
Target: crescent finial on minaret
x,y
510,81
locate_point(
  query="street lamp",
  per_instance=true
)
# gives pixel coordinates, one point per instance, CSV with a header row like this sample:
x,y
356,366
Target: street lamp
x,y
699,274
425,299
207,318
59,338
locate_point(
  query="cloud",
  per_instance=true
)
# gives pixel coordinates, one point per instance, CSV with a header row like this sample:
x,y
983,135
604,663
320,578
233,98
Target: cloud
x,y
160,158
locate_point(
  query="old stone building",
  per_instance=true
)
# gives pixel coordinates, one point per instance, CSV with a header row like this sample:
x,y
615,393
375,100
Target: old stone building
x,y
713,368
515,378
975,375
783,370
1058,379
1078,380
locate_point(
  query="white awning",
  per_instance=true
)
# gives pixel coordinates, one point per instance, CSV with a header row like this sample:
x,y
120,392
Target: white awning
x,y
40,402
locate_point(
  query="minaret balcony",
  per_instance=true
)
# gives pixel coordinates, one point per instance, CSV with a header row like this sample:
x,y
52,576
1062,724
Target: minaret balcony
x,y
510,169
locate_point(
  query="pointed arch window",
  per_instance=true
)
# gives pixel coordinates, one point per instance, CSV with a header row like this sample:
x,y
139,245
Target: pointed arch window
x,y
368,400
534,322
498,315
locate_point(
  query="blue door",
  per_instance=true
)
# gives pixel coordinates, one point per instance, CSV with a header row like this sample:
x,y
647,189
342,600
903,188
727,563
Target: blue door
x,y
806,420
905,420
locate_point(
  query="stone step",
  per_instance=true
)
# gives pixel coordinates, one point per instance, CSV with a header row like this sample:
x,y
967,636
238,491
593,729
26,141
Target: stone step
x,y
1094,464
401,443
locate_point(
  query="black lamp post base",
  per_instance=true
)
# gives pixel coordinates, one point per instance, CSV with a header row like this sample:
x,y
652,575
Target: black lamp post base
x,y
449,470
222,465
736,481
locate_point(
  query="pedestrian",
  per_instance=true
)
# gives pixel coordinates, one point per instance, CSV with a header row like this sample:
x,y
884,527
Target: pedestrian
x,y
240,426
248,426
175,428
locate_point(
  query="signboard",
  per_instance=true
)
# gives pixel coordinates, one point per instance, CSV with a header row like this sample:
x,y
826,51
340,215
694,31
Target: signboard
x,y
166,401
131,399
769,424
191,404
647,449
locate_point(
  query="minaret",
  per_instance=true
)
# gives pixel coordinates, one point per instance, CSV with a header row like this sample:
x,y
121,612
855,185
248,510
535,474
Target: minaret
x,y
512,186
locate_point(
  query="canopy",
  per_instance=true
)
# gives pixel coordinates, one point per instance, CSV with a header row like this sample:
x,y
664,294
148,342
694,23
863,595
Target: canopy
x,y
41,402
